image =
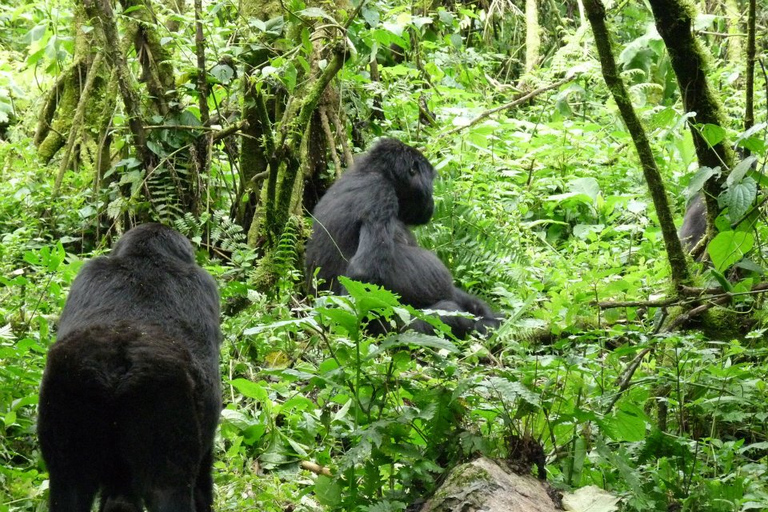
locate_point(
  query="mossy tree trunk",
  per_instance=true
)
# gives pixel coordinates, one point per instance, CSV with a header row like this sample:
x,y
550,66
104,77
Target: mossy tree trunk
x,y
79,113
532,35
291,137
749,111
675,256
57,113
257,100
674,21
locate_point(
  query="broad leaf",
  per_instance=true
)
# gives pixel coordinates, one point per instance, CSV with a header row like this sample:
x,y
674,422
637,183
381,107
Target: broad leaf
x,y
740,197
729,247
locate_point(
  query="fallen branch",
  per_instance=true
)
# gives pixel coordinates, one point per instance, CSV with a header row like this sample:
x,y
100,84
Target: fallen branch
x,y
712,296
688,315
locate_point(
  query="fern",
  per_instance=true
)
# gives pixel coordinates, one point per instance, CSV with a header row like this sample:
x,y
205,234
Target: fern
x,y
222,231
227,233
286,256
479,254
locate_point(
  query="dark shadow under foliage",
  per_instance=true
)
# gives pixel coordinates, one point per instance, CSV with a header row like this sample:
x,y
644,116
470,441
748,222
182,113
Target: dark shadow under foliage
x,y
361,231
131,394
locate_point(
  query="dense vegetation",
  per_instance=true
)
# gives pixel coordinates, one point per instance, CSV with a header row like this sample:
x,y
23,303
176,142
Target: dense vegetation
x,y
542,209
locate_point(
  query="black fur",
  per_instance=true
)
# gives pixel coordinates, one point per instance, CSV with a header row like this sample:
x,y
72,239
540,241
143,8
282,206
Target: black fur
x,y
361,231
131,393
694,225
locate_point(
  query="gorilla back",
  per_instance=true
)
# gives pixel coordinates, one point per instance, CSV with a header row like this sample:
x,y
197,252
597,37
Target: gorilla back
x,y
130,397
361,231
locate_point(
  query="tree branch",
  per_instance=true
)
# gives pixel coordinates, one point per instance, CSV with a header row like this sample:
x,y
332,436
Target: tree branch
x,y
506,106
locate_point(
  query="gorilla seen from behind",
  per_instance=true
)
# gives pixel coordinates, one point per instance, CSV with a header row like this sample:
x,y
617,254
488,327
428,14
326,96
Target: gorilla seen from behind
x,y
361,231
131,395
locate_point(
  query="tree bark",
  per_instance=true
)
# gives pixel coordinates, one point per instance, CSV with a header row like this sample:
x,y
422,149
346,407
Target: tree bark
x,y
101,11
532,35
676,257
674,21
749,113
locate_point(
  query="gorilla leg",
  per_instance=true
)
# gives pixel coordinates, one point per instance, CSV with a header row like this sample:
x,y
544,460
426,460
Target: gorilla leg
x,y
71,426
204,485
161,440
73,493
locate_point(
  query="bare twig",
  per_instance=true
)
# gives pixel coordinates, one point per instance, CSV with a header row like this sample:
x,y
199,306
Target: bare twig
x,y
626,377
520,100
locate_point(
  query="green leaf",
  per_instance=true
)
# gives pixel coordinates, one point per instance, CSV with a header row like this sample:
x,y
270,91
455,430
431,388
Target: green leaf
x,y
371,16
456,41
414,339
251,389
699,179
713,134
740,170
133,8
315,12
222,73
587,186
35,34
729,247
720,278
740,198
328,491
394,28
511,391
342,318
155,148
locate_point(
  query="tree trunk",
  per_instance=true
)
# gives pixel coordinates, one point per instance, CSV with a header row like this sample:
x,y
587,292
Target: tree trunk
x,y
56,115
674,21
675,255
532,35
749,112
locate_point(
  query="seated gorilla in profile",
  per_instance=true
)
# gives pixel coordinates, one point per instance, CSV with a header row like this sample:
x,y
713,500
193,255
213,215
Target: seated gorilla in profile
x,y
130,397
361,231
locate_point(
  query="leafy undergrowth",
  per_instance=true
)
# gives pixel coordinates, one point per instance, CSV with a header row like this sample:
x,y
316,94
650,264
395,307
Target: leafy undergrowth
x,y
320,416
542,210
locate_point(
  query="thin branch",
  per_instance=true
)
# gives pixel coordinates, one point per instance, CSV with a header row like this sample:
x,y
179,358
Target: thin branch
x,y
218,133
506,106
639,303
315,468
626,378
325,123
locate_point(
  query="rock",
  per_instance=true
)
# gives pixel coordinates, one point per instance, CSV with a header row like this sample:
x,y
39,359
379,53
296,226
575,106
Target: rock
x,y
484,485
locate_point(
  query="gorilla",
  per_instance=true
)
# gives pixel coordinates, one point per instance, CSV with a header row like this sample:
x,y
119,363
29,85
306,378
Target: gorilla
x,y
361,231
694,225
131,396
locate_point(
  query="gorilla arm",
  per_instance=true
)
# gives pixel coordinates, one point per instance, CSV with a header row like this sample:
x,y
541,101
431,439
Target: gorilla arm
x,y
415,274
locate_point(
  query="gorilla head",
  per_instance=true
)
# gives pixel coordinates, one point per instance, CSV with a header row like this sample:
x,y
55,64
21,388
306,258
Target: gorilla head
x,y
410,174
156,240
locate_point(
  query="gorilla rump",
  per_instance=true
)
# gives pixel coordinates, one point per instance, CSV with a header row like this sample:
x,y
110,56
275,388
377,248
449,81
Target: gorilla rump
x,y
361,231
131,395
